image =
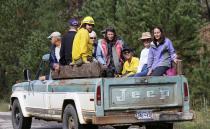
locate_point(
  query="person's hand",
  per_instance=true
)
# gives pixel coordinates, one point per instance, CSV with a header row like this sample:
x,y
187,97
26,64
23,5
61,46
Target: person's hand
x,y
117,75
176,60
87,62
104,66
149,72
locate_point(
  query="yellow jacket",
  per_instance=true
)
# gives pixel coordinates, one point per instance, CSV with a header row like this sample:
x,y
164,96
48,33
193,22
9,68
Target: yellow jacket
x,y
82,47
130,68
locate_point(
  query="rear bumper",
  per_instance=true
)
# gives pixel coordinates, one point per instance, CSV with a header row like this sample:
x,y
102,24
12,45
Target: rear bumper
x,y
129,119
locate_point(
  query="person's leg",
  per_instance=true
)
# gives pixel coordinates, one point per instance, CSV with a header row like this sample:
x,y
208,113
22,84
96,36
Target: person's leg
x,y
159,71
144,68
143,72
109,72
131,75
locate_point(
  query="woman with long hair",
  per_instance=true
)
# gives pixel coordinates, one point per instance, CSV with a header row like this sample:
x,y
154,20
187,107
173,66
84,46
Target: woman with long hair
x,y
161,53
108,53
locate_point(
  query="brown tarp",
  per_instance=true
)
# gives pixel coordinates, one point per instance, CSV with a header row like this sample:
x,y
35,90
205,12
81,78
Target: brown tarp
x,y
90,70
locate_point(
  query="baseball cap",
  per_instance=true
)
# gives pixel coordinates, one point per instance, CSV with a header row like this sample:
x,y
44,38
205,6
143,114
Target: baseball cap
x,y
55,34
73,22
93,34
126,49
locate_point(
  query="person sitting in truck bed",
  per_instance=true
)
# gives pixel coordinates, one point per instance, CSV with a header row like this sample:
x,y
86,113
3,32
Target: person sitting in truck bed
x,y
67,42
142,68
161,54
81,51
108,53
55,38
93,39
131,64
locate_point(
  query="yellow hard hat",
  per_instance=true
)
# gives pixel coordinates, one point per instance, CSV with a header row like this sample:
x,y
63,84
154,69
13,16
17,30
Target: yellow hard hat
x,y
88,20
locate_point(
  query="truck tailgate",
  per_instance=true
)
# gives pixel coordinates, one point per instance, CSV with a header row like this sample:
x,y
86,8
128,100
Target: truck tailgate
x,y
140,93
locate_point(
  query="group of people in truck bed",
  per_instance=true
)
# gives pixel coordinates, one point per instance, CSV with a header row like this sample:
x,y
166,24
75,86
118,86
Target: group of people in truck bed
x,y
80,45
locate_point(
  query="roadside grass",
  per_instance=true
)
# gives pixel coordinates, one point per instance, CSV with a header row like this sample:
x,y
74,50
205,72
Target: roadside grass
x,y
4,106
201,121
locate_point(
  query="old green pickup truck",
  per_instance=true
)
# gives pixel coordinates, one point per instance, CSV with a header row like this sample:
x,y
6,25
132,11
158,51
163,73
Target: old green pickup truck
x,y
152,102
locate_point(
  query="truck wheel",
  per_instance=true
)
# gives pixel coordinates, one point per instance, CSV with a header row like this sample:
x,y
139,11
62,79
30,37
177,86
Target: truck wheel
x,y
122,127
89,126
70,118
18,120
160,126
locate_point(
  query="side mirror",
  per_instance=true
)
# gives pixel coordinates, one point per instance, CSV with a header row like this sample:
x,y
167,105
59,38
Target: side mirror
x,y
27,75
46,57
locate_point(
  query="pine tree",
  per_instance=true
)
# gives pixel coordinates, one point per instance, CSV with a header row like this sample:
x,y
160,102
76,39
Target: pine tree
x,y
179,19
25,26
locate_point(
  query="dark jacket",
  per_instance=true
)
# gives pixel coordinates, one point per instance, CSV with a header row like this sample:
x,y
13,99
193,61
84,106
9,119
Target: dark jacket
x,y
66,48
53,58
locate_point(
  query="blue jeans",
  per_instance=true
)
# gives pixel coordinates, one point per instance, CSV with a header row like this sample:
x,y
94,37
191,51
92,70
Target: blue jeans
x,y
143,72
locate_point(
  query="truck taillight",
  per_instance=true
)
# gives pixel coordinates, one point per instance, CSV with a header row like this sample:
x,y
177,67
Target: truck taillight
x,y
98,95
185,92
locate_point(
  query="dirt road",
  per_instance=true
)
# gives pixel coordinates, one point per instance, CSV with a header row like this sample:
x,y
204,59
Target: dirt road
x,y
5,123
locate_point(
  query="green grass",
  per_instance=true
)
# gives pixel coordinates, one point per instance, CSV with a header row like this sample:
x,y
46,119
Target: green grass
x,y
201,121
4,106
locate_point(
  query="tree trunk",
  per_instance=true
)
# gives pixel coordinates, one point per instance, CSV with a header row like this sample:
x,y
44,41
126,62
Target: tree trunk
x,y
73,5
207,5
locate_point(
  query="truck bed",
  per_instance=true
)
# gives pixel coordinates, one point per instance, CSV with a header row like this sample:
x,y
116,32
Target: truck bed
x,y
163,98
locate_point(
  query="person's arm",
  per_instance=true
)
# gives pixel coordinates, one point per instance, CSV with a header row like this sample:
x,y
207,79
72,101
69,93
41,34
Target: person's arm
x,y
124,69
171,50
140,62
52,59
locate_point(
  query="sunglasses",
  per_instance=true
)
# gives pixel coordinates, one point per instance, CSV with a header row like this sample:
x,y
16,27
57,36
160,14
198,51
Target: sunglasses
x,y
92,37
146,40
125,53
90,24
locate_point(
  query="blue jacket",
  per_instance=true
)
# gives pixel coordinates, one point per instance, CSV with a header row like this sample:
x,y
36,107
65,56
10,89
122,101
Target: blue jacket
x,y
161,55
52,59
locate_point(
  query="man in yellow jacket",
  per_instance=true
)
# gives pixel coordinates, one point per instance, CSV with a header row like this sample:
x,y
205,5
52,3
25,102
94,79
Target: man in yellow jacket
x,y
82,46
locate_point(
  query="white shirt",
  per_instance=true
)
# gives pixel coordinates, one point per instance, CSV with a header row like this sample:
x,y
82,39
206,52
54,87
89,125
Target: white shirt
x,y
143,59
57,53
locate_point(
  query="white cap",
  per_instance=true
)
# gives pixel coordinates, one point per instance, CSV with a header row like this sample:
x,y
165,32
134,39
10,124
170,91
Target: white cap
x,y
55,34
93,34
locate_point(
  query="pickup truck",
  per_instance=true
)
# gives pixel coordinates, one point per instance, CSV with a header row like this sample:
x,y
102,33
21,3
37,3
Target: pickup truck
x,y
151,102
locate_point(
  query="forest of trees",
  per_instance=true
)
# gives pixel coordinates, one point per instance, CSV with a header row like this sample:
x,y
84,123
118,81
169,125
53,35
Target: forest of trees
x,y
25,25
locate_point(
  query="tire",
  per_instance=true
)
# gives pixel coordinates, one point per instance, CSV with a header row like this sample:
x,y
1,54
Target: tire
x,y
159,126
89,126
18,120
70,118
122,127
